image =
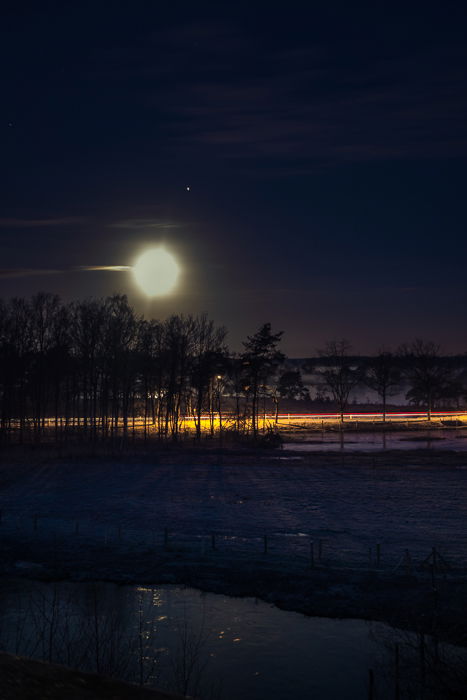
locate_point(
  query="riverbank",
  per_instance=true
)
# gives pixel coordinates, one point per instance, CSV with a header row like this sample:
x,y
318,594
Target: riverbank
x,y
23,458
26,679
405,600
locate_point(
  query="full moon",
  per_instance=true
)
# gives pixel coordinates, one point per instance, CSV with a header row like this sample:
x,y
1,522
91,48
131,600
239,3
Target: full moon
x,y
156,272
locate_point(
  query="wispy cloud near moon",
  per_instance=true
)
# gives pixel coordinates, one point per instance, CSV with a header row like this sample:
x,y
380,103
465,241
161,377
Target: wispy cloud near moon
x,y
27,272
105,268
32,272
143,224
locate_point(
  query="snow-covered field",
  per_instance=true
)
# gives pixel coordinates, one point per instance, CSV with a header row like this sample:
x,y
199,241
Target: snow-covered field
x,y
349,508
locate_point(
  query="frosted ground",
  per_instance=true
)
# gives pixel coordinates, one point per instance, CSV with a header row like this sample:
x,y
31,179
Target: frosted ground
x,y
345,510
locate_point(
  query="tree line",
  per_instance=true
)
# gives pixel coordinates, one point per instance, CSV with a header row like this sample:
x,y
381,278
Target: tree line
x,y
96,367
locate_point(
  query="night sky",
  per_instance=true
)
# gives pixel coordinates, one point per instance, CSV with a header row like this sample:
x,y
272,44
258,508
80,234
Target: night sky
x,y
324,145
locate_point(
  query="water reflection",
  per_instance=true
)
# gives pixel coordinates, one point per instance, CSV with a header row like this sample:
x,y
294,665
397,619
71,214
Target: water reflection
x,y
348,441
209,646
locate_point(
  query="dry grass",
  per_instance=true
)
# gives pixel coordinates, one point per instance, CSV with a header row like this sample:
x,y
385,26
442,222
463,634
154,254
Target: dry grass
x,y
25,679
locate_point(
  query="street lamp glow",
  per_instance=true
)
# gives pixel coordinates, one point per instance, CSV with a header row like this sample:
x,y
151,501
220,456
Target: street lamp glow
x,y
156,272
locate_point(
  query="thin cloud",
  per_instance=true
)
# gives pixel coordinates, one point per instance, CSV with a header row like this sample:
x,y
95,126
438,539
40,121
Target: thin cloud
x,y
11,273
104,268
307,105
213,86
27,272
363,122
33,223
140,224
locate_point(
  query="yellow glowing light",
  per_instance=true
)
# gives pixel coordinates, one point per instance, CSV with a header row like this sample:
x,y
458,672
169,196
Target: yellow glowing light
x,y
156,272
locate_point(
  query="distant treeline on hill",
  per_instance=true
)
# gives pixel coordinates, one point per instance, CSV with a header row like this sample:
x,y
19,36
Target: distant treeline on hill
x,y
96,367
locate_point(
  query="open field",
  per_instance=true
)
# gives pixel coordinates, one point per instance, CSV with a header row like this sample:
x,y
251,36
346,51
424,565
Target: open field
x,y
308,532
351,506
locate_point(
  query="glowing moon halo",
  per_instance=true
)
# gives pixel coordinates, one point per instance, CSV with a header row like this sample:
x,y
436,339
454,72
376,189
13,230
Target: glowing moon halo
x,y
156,272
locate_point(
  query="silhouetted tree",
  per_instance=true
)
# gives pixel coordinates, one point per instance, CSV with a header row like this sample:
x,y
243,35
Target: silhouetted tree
x,y
119,341
43,309
236,385
426,373
383,375
260,360
178,352
96,367
86,381
289,386
338,373
208,363
59,362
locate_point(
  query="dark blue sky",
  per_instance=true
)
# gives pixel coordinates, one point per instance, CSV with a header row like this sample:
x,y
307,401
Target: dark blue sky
x,y
324,145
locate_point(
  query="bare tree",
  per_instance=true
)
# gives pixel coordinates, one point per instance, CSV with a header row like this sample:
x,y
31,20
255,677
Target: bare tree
x,y
235,384
338,373
189,660
87,328
44,309
426,373
289,386
383,375
208,361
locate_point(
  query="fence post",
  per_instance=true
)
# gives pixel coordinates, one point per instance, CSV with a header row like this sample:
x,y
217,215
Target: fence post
x,y
422,665
397,690
371,684
408,563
